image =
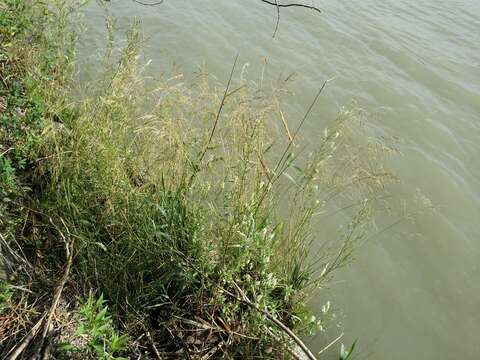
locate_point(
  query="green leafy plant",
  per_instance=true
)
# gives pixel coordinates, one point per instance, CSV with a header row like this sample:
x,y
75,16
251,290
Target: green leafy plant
x,y
7,175
5,297
96,327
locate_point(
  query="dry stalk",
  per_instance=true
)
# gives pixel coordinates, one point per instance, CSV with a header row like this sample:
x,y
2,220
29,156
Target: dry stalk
x,y
42,349
270,317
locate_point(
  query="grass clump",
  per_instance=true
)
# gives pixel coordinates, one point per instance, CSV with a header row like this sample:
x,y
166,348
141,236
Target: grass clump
x,y
191,233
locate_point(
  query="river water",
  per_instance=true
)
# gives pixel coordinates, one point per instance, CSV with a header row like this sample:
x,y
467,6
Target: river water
x,y
413,292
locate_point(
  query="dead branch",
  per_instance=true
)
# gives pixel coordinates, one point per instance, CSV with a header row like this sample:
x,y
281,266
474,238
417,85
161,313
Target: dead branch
x,y
58,292
311,7
42,349
270,317
278,18
69,243
26,341
278,6
273,3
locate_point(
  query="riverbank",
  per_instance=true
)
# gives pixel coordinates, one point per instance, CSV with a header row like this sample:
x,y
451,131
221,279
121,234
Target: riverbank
x,y
145,220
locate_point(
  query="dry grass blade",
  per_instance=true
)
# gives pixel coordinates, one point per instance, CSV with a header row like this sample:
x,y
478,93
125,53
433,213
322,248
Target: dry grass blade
x,y
18,350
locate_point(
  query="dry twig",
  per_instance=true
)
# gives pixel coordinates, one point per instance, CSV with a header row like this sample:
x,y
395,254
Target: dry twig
x,y
314,8
270,317
42,349
26,341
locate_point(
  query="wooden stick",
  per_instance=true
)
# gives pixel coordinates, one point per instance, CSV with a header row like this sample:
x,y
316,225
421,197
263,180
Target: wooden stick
x,y
314,8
